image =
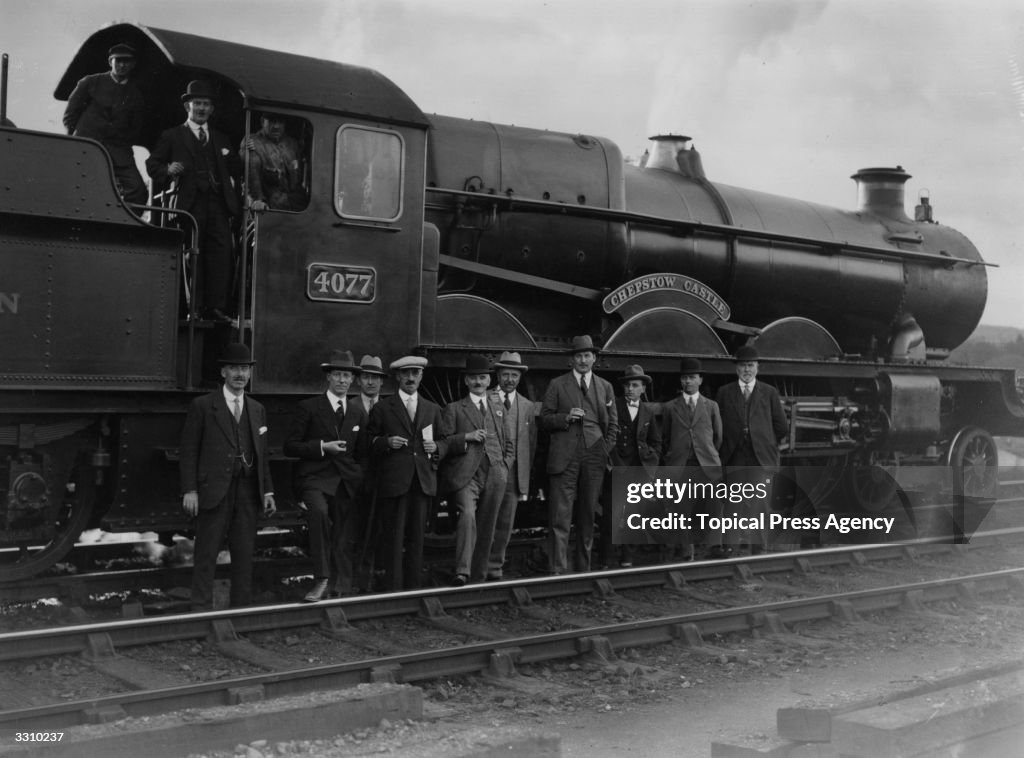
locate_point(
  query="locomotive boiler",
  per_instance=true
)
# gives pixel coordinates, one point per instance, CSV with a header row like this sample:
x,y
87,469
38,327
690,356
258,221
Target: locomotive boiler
x,y
453,236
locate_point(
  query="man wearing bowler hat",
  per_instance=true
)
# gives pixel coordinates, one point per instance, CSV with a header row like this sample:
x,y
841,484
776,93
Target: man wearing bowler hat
x,y
207,170
109,108
753,422
579,411
520,417
225,477
475,470
407,440
692,430
328,435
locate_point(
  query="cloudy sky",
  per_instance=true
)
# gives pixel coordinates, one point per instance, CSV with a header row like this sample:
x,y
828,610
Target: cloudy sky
x,y
783,96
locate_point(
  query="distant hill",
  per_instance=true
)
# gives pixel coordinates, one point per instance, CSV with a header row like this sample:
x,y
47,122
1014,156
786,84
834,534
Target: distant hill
x,y
1001,346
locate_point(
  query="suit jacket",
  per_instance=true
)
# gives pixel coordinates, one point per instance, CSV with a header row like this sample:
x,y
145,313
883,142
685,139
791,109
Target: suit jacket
x,y
315,422
208,448
764,416
562,395
525,439
463,458
179,144
698,433
395,469
646,445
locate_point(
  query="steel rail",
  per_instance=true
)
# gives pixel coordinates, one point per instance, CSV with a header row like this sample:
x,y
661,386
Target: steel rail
x,y
602,640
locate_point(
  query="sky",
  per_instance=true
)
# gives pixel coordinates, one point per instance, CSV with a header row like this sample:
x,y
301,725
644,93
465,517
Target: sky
x,y
783,96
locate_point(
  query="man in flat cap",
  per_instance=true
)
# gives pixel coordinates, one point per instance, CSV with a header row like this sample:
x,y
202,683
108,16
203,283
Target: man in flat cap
x,y
579,411
520,417
225,477
692,431
208,171
475,470
328,435
407,439
753,422
109,108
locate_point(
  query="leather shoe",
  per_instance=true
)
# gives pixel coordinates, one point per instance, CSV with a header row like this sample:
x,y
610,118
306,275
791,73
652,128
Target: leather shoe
x,y
460,580
316,594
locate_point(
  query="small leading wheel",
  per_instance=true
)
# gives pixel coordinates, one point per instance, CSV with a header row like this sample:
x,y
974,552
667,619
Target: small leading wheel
x,y
974,460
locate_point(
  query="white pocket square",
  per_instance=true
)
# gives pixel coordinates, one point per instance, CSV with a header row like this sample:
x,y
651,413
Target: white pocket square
x,y
262,430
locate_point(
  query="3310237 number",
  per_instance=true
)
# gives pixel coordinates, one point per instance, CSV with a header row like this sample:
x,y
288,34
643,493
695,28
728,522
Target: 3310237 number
x,y
338,283
38,736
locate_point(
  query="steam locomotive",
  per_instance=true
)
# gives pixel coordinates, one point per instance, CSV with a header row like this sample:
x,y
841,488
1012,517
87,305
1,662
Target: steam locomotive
x,y
454,236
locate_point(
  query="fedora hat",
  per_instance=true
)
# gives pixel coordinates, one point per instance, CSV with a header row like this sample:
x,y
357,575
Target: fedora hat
x,y
371,364
745,354
236,354
408,361
340,360
121,51
197,88
477,364
689,366
510,360
582,344
634,372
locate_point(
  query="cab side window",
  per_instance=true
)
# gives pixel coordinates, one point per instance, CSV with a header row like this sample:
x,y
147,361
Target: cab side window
x,y
368,173
276,154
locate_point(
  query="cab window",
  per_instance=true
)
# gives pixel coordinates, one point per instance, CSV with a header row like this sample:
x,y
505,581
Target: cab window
x,y
368,173
276,156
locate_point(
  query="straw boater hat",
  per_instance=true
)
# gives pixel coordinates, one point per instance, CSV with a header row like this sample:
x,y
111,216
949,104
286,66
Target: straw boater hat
x,y
408,361
689,366
745,354
582,344
236,354
197,88
340,360
511,360
477,364
634,372
371,364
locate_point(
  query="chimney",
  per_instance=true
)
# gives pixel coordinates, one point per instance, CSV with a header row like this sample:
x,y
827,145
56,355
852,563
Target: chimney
x,y
880,192
676,153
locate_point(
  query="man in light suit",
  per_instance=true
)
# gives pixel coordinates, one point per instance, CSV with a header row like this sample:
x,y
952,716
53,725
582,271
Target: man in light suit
x,y
692,429
207,170
579,411
475,469
225,478
520,417
328,436
638,444
754,422
407,440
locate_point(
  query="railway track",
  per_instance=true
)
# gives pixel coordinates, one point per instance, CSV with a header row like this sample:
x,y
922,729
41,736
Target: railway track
x,y
497,628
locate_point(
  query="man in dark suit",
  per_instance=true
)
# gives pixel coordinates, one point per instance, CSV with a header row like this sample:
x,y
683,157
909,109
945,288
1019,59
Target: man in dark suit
x,y
475,470
579,411
225,478
692,430
407,439
520,417
328,436
638,444
753,421
207,170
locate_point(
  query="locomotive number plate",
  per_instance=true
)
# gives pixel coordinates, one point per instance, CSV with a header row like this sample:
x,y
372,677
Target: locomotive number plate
x,y
341,284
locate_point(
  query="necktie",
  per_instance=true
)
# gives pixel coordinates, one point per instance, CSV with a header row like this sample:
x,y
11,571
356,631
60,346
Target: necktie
x,y
202,135
340,411
508,402
691,401
480,407
237,410
583,385
746,392
410,406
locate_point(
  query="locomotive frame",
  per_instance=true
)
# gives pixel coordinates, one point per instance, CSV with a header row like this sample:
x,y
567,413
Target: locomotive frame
x,y
474,237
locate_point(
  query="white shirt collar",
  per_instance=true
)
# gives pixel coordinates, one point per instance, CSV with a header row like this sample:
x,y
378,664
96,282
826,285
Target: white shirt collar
x,y
406,397
229,396
335,400
196,127
749,385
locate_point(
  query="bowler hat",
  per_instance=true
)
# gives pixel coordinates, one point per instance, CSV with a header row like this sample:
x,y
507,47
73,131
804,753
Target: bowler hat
x,y
477,364
689,366
745,354
582,344
121,51
510,360
236,354
634,372
197,88
371,364
408,361
340,360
